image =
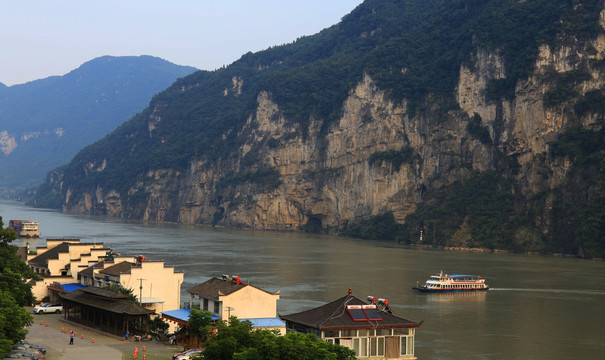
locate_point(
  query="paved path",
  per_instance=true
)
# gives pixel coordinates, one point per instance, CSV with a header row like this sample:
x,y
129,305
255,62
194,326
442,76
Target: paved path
x,y
105,347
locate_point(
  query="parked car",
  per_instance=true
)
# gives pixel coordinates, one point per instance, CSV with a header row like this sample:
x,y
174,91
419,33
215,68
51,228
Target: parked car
x,y
48,308
35,346
186,355
25,355
28,349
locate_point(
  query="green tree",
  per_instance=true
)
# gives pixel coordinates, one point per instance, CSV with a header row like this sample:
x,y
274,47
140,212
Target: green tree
x,y
238,341
199,325
13,271
157,326
14,292
13,322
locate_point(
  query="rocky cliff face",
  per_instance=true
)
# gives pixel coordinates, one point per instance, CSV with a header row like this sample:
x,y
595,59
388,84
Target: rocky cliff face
x,y
329,177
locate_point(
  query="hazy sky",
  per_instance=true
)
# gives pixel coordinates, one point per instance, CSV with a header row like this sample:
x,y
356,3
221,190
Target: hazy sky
x,y
41,38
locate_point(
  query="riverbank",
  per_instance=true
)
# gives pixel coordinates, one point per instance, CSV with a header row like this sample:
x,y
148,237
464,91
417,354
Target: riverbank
x,y
46,330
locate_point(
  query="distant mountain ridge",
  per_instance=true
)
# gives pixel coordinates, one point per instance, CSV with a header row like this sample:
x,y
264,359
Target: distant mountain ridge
x,y
44,123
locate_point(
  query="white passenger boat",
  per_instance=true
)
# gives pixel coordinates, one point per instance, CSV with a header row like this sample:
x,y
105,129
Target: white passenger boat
x,y
447,283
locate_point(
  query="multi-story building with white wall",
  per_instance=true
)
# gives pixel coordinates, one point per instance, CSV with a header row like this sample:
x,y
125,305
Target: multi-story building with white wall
x,y
230,296
59,262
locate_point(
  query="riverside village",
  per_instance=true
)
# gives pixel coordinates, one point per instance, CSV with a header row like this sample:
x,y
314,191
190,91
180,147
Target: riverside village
x,y
85,277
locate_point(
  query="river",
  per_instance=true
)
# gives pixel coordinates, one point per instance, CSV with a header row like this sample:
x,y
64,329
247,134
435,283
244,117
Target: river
x,y
538,307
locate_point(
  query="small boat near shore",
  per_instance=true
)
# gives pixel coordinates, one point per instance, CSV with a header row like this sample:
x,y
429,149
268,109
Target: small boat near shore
x,y
25,228
448,283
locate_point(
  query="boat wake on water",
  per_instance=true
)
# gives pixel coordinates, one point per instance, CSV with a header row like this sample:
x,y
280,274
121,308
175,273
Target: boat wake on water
x,y
561,291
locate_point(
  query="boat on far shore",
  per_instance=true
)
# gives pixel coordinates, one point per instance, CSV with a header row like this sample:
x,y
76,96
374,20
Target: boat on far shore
x,y
25,228
442,282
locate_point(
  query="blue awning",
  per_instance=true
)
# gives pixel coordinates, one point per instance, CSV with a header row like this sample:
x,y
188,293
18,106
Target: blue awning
x,y
266,322
72,287
183,314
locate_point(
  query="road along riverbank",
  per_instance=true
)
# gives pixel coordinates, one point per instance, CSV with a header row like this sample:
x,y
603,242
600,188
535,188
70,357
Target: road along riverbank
x,y
52,332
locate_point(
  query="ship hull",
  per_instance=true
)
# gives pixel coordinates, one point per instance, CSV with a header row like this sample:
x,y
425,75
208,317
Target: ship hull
x,y
426,290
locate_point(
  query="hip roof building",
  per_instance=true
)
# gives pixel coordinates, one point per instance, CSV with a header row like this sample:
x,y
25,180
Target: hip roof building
x,y
369,328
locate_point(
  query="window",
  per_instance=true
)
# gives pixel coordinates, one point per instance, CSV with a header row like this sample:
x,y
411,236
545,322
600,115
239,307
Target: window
x,y
206,304
406,345
401,331
403,345
360,346
383,332
377,346
331,333
348,333
216,307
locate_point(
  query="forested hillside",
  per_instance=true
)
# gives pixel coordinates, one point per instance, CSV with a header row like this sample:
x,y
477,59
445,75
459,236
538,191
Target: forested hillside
x,y
474,122
44,123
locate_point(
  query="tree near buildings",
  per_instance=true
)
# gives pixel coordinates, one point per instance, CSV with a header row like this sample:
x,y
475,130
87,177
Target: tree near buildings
x,y
198,326
238,341
15,292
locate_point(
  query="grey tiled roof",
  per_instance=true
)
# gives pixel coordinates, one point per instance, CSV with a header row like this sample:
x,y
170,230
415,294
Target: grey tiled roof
x,y
53,253
334,315
214,287
117,269
104,299
211,288
89,271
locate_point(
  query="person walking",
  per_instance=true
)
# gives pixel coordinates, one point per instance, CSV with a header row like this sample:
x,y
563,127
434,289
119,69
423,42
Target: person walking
x,y
71,338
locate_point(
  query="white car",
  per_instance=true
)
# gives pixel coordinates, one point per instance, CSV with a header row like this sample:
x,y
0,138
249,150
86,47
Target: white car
x,y
48,308
187,355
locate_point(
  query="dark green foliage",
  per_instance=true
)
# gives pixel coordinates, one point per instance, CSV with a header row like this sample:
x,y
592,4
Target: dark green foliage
x,y
266,177
476,129
15,292
237,341
592,102
395,157
13,320
582,145
379,227
498,89
579,228
564,83
558,96
578,215
158,327
198,325
484,202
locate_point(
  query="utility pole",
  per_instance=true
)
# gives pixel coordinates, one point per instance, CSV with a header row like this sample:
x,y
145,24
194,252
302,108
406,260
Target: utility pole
x,y
141,290
229,309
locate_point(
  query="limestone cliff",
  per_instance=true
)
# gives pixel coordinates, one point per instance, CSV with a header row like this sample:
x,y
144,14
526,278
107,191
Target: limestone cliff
x,y
331,178
381,154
